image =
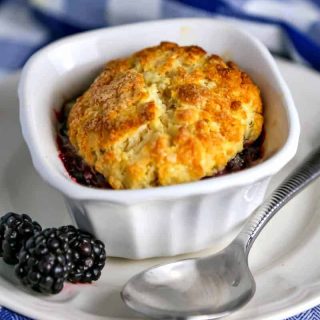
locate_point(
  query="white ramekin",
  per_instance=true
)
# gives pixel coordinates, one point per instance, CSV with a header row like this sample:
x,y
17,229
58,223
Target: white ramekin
x,y
165,220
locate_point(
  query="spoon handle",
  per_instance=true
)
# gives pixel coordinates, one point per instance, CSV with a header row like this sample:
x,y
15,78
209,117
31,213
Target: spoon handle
x,y
307,172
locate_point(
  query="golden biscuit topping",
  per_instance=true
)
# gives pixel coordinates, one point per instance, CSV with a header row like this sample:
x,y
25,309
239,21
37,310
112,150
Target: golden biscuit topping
x,y
165,115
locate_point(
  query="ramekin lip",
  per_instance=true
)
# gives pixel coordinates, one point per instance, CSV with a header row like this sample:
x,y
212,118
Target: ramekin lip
x,y
74,190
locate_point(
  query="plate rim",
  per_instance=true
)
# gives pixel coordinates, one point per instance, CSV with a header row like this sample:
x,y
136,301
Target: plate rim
x,y
310,300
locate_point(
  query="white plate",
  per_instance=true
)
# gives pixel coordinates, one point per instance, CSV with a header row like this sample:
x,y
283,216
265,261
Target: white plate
x,y
285,259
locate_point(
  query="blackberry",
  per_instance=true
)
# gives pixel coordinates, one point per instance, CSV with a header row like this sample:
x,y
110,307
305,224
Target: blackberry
x,y
236,164
244,159
3,224
45,261
88,255
15,229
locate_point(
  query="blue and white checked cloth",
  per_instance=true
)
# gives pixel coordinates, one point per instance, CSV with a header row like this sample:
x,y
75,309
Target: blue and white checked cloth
x,y
287,27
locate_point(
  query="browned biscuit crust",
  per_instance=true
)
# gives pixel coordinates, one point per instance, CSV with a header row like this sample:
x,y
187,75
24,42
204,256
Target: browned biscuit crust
x,y
165,115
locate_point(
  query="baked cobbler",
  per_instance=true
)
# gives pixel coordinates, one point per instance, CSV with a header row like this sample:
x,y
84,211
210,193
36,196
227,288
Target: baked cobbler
x,y
165,115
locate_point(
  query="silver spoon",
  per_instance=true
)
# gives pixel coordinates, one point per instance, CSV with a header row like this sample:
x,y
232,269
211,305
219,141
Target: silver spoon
x,y
217,285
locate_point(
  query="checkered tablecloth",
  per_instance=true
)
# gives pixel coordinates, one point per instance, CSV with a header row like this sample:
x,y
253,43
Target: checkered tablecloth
x,y
289,28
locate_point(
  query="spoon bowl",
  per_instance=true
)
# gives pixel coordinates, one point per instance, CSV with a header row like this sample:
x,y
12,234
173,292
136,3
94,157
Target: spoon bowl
x,y
214,286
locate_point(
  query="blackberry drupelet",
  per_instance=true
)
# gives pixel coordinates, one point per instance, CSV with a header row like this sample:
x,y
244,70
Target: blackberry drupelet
x,y
88,255
15,229
45,261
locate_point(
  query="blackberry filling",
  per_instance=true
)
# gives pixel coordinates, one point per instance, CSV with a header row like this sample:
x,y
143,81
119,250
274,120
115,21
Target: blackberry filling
x,y
78,170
